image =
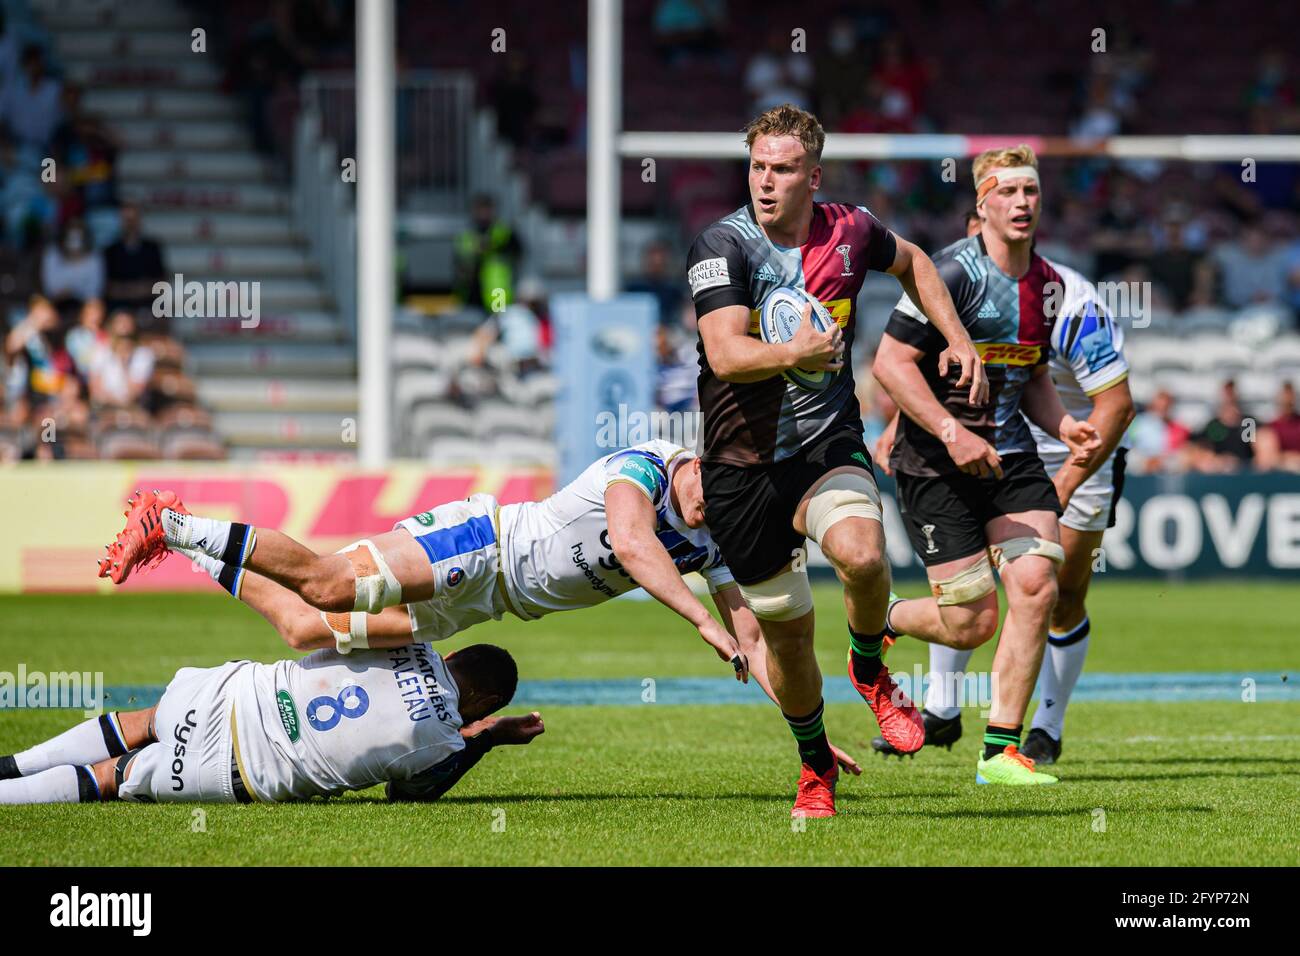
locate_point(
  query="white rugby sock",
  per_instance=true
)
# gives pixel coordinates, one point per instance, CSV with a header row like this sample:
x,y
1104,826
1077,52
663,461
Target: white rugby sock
x,y
56,785
89,742
208,535
941,696
1062,665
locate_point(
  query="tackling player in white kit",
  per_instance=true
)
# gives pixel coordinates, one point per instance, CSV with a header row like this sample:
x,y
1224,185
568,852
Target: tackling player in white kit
x,y
247,732
632,518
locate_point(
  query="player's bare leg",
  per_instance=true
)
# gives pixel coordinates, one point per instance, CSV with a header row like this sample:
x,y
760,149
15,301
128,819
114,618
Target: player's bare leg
x,y
1029,575
1067,644
855,548
791,663
329,582
372,574
77,765
1074,576
303,627
786,618
953,631
754,646
841,512
962,627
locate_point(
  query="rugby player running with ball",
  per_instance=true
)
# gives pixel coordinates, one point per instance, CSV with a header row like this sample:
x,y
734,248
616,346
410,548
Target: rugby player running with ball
x,y
782,463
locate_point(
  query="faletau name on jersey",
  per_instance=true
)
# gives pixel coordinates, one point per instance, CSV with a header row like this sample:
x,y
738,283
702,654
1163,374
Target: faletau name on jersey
x,y
707,274
418,685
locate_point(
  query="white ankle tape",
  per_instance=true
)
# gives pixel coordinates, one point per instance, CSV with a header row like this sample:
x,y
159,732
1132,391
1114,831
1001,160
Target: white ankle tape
x,y
377,587
349,630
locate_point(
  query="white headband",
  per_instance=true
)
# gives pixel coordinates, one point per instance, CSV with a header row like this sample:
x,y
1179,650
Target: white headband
x,y
1002,173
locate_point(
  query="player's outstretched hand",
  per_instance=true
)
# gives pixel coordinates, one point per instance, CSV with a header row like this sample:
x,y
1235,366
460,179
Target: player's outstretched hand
x,y
508,730
845,761
1082,439
727,648
817,351
967,357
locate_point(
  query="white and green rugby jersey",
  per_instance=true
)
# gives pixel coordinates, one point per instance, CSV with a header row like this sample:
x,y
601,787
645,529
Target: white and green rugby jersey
x,y
330,723
556,553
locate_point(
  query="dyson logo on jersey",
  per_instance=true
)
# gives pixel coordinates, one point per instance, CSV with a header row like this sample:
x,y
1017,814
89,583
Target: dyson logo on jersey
x,y
182,735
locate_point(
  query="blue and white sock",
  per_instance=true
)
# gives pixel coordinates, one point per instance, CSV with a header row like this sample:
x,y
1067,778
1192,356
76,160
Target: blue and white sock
x,y
1062,665
229,541
56,785
941,697
89,742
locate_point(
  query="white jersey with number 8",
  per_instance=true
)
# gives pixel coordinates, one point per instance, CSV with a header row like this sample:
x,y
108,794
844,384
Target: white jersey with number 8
x,y
330,723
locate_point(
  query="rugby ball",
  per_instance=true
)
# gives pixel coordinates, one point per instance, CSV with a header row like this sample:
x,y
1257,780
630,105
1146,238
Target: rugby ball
x,y
778,321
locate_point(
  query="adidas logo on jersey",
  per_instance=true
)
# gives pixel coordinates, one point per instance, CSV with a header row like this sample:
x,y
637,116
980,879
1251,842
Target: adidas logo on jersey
x,y
989,311
765,272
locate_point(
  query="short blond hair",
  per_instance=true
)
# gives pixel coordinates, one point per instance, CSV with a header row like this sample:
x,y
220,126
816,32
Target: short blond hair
x,y
788,120
1005,157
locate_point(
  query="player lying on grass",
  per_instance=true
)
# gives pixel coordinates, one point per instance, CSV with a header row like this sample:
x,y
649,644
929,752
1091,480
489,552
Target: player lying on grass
x,y
1090,373
970,483
633,518
288,731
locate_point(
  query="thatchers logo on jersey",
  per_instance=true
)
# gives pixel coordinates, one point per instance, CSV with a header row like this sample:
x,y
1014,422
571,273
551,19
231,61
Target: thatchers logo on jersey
x,y
288,715
74,908
425,518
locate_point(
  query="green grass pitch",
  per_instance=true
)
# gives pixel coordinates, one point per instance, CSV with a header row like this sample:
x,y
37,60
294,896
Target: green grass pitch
x,y
1187,783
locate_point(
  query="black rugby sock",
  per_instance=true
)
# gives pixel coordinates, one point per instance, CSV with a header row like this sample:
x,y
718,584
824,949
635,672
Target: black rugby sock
x,y
810,734
865,650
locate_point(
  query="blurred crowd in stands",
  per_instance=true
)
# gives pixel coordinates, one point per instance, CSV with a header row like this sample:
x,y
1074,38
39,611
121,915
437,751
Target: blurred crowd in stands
x,y
1214,243
88,371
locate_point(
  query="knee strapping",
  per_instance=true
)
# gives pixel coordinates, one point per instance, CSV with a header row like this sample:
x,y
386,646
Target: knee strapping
x,y
967,585
349,629
1014,548
847,495
785,597
377,587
